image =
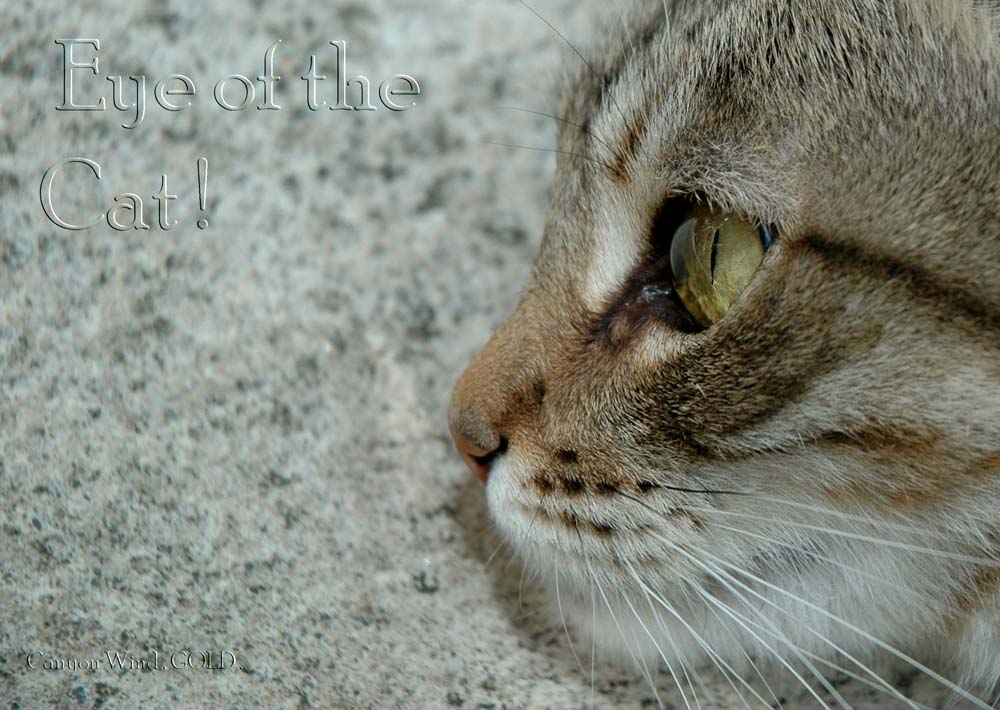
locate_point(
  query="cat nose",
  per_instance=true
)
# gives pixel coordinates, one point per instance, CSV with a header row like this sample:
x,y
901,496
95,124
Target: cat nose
x,y
492,399
478,458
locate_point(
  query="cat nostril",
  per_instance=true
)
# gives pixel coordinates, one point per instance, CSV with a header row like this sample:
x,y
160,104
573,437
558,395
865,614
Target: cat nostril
x,y
478,459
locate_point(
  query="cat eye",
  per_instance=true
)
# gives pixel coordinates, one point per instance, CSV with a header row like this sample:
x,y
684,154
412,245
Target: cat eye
x,y
713,256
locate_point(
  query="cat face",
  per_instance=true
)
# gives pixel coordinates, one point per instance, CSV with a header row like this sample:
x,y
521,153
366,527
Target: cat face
x,y
815,387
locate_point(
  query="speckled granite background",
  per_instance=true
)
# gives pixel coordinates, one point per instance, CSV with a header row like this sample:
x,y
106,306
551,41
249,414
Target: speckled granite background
x,y
234,439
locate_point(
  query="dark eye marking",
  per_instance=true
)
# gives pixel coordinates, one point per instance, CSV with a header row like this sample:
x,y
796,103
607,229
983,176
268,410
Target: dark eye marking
x,y
952,301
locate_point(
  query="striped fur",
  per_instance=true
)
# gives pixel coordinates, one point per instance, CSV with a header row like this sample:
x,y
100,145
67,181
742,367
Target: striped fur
x,y
836,436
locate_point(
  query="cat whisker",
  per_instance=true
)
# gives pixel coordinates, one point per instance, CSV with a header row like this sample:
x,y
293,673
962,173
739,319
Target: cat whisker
x,y
945,554
874,522
524,539
593,639
918,549
645,628
597,161
701,685
881,644
814,555
723,577
812,508
489,560
881,684
528,615
777,703
520,587
776,633
578,53
656,645
583,129
781,637
673,647
855,629
765,538
628,33
635,659
719,662
882,687
562,618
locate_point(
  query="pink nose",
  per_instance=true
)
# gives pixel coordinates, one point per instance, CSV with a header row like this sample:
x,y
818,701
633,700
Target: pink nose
x,y
478,459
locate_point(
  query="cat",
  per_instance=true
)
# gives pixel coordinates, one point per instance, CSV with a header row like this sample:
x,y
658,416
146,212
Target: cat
x,y
748,407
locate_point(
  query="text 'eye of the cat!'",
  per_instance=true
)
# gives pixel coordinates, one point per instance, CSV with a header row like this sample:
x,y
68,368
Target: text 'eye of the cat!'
x,y
713,256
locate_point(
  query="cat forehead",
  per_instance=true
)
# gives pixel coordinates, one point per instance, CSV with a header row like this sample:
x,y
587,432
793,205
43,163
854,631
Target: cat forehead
x,y
749,47
704,73
750,104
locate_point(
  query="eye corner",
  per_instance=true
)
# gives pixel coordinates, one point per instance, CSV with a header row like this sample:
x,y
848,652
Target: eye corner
x,y
767,234
707,254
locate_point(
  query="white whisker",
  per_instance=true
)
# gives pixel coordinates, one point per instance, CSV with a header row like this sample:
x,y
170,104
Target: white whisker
x,y
715,571
719,662
861,632
746,655
811,553
657,645
944,554
562,617
638,660
673,646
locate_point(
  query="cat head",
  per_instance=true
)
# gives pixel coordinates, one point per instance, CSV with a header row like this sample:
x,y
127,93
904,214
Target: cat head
x,y
767,300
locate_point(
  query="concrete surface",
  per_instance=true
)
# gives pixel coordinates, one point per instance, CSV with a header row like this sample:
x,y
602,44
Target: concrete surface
x,y
234,439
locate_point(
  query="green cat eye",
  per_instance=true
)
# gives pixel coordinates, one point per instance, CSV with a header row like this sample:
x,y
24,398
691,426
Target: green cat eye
x,y
713,256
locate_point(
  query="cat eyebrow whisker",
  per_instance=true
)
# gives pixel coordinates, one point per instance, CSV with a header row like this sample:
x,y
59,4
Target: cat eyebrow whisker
x,y
598,161
560,119
587,62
